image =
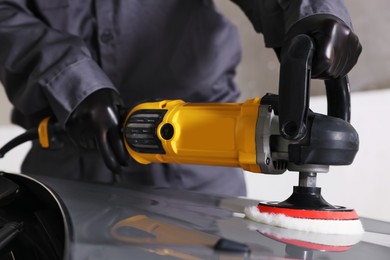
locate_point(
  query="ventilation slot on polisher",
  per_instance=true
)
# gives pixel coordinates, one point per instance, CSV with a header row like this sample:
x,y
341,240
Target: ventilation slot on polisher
x,y
280,164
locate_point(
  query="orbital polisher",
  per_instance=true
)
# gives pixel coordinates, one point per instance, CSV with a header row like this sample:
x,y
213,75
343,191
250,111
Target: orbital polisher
x,y
267,135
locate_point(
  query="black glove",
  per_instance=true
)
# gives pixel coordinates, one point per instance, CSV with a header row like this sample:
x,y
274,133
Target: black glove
x,y
337,48
95,124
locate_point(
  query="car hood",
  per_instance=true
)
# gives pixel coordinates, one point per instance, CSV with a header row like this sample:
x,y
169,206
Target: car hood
x,y
116,221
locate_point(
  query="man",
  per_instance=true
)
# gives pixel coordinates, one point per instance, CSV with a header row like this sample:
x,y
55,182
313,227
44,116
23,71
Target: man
x,y
80,61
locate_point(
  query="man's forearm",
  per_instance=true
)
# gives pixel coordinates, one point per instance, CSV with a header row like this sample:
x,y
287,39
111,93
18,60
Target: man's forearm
x,y
41,67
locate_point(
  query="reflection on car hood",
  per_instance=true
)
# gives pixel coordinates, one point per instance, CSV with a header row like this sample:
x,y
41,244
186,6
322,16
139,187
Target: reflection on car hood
x,y
117,221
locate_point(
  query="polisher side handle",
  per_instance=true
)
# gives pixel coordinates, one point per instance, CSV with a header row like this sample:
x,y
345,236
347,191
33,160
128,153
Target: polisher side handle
x,y
294,86
294,89
339,98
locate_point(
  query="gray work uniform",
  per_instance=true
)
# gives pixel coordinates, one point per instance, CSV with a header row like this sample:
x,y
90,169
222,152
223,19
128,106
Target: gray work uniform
x,y
54,53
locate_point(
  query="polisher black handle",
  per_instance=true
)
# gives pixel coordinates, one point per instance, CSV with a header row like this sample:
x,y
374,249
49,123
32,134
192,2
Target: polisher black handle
x,y
294,86
339,98
294,89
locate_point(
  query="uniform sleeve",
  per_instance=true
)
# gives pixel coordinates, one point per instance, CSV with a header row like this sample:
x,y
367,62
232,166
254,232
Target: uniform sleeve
x,y
273,18
42,68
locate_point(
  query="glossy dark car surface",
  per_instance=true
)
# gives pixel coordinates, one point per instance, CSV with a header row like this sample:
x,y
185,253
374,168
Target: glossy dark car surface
x,y
72,220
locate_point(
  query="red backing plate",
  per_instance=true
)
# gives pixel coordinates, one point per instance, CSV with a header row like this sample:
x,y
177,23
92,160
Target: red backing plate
x,y
344,214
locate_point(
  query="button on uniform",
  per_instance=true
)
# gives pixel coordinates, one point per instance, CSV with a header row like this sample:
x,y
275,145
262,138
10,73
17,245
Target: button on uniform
x,y
106,37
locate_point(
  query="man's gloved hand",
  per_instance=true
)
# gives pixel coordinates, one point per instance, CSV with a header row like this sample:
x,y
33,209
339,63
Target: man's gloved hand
x,y
337,48
95,124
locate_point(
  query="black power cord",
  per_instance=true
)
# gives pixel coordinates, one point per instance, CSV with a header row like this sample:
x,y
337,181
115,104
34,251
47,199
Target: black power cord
x,y
29,135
